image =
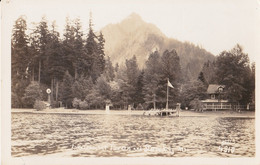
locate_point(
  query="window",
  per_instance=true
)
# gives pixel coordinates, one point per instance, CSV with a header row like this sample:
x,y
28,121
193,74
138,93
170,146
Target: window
x,y
212,96
220,89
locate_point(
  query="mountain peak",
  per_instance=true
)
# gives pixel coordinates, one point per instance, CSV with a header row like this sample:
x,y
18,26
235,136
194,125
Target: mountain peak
x,y
134,16
134,36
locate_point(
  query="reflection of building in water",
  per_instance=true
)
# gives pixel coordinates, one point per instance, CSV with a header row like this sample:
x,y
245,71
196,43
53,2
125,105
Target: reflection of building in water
x,y
216,99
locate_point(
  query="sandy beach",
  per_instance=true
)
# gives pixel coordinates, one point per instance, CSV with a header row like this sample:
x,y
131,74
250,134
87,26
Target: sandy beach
x,y
229,113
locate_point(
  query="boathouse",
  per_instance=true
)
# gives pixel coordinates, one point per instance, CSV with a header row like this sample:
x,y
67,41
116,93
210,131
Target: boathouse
x,y
216,99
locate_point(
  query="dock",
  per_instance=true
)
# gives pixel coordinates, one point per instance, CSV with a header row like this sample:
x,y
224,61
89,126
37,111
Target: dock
x,y
162,112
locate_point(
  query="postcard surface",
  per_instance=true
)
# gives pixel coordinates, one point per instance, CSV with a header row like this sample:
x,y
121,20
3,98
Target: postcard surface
x,y
129,82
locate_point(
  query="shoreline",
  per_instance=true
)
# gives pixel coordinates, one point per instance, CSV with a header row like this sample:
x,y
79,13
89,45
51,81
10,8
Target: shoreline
x,y
183,113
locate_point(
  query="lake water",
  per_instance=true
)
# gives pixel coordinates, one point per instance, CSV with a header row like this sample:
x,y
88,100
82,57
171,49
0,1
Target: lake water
x,y
131,136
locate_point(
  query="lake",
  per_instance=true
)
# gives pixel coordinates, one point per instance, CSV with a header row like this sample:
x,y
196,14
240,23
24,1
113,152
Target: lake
x,y
90,135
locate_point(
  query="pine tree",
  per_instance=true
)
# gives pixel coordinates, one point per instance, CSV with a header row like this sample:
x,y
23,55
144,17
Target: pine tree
x,y
132,73
20,50
40,40
80,60
93,68
170,70
116,67
101,53
192,91
209,72
139,96
56,69
151,79
66,90
82,87
202,79
68,47
109,71
20,61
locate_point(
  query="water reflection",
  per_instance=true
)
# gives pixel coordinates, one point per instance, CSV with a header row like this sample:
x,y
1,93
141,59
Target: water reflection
x,y
123,135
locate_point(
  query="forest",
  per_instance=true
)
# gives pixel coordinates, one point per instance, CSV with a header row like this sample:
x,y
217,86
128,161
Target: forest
x,y
80,75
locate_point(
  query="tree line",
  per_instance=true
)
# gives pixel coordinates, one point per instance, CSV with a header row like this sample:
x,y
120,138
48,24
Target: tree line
x,y
80,75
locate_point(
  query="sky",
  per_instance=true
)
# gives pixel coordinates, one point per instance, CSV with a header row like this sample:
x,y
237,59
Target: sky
x,y
216,25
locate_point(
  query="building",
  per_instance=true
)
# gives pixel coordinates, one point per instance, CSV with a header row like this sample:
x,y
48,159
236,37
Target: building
x,y
215,99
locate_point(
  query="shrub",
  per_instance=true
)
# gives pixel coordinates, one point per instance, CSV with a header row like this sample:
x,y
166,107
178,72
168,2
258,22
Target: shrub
x,y
16,102
76,102
139,107
39,105
33,92
83,105
197,104
55,104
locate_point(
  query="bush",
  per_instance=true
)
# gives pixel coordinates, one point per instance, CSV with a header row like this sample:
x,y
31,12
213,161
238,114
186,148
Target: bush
x,y
16,102
83,105
39,105
76,102
197,104
55,104
33,92
139,107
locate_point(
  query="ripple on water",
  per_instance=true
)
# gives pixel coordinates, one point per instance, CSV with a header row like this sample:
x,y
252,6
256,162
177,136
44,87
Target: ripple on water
x,y
122,135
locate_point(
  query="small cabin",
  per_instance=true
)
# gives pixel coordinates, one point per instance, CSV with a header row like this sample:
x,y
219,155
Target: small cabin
x,y
215,100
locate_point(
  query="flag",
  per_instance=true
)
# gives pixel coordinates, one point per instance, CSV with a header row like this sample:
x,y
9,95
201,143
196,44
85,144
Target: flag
x,y
169,84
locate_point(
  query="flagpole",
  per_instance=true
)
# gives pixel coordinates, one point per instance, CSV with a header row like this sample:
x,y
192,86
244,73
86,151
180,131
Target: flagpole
x,y
167,94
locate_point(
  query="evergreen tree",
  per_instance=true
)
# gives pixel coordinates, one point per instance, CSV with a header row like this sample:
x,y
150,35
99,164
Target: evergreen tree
x,y
56,69
116,67
42,33
68,47
20,61
66,90
32,93
252,86
103,88
139,96
232,69
170,70
101,53
116,94
94,98
192,91
20,50
151,79
248,95
109,71
81,87
99,94
202,79
132,73
80,57
209,72
94,53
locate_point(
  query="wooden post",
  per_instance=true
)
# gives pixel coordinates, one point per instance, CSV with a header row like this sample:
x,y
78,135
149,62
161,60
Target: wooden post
x,y
167,95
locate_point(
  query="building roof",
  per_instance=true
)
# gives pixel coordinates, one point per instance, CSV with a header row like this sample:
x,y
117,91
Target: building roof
x,y
213,88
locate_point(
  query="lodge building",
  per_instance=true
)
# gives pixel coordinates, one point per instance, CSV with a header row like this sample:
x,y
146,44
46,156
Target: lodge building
x,y
215,99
